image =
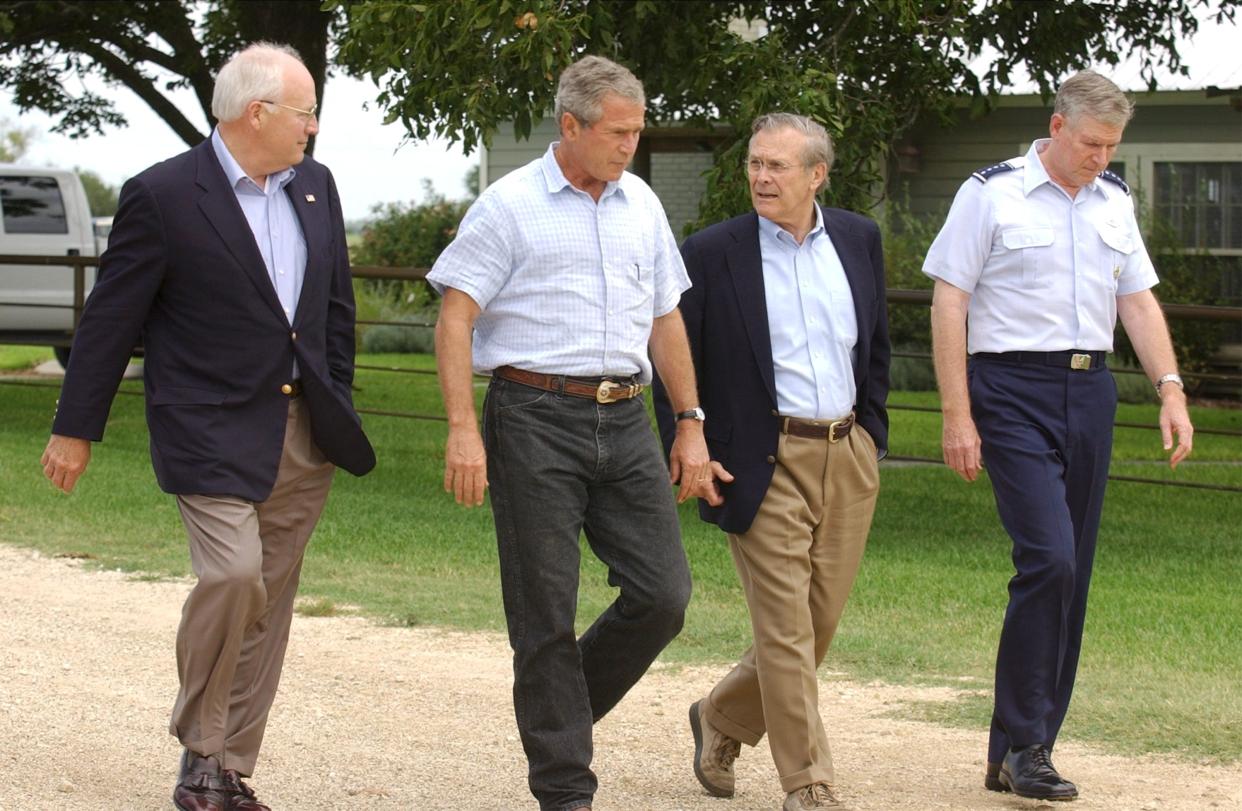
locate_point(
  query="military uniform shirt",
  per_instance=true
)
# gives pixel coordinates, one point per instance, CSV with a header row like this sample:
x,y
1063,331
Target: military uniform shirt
x,y
1043,269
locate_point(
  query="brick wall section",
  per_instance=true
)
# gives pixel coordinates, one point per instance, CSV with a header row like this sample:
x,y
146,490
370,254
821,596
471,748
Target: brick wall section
x,y
677,178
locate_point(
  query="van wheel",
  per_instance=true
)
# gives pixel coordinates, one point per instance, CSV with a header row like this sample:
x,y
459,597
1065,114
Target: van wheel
x,y
62,355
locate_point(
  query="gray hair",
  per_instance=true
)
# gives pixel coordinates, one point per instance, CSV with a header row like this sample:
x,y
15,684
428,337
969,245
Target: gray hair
x,y
257,72
584,84
1087,93
818,146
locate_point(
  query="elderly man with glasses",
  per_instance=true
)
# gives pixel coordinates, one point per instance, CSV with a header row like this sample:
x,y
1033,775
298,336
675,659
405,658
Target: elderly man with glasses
x,y
229,262
789,334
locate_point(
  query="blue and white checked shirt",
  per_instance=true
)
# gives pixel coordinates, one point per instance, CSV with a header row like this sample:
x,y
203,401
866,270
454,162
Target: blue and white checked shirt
x,y
811,322
566,285
1044,271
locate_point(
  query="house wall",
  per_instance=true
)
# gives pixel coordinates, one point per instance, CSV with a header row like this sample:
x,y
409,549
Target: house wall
x,y
676,177
949,153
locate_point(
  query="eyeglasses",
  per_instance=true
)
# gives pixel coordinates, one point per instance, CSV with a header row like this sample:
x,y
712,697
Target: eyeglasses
x,y
306,116
757,165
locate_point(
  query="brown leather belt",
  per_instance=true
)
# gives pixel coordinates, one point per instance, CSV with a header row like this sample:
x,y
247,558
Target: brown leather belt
x,y
601,390
834,431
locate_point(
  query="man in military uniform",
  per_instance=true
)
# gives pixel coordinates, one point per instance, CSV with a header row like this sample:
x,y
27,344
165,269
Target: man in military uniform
x,y
1040,255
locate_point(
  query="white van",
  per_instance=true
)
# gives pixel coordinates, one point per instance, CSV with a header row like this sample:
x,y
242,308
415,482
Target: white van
x,y
43,212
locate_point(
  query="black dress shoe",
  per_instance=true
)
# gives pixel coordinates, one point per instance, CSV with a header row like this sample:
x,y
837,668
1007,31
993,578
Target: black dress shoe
x,y
200,785
1028,772
991,778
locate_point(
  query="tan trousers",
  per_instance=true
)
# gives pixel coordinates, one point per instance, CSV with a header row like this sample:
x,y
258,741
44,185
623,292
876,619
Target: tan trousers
x,y
235,624
797,563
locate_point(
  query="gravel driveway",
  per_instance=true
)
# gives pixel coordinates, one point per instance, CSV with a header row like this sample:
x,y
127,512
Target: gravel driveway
x,y
371,717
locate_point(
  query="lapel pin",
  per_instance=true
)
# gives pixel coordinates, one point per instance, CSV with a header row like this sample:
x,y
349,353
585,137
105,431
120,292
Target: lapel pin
x,y
310,198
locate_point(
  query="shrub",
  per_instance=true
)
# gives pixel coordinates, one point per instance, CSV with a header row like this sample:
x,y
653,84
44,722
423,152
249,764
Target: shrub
x,y
390,338
403,235
906,239
1187,276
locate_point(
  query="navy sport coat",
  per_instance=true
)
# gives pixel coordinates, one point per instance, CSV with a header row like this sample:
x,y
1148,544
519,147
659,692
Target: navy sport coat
x,y
727,321
183,273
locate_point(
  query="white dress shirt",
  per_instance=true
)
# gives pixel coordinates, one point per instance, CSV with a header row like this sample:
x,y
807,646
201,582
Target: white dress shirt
x,y
1043,269
566,285
811,322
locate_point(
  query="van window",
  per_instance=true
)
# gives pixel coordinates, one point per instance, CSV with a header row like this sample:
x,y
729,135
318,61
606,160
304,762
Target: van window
x,y
32,205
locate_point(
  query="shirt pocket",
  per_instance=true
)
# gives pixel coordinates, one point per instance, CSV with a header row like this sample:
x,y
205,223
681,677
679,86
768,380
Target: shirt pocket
x,y
1119,243
634,289
1034,244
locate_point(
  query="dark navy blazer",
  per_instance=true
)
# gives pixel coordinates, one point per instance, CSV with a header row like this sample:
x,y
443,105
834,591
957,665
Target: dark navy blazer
x,y
183,273
726,318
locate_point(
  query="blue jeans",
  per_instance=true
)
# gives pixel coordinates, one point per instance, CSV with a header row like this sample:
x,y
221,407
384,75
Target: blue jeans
x,y
557,466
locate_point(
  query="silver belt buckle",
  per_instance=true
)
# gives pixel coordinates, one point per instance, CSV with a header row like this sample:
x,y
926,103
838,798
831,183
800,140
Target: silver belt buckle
x,y
1080,361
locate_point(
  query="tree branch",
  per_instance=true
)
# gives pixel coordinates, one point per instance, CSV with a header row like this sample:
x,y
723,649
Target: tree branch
x,y
129,76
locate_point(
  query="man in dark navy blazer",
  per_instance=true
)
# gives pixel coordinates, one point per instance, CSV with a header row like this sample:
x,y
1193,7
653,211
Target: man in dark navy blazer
x,y
230,266
789,333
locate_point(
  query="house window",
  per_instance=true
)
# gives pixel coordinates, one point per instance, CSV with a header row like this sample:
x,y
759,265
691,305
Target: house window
x,y
1202,201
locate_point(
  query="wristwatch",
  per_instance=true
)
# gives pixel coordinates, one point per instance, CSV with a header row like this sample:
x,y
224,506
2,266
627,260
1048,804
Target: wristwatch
x,y
695,413
1170,378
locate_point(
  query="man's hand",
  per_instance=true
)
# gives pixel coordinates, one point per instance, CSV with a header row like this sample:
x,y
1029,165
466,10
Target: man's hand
x,y
961,446
690,465
465,466
64,459
1175,419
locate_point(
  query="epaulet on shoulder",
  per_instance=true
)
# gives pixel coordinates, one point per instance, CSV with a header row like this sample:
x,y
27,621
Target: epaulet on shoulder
x,y
1115,178
995,169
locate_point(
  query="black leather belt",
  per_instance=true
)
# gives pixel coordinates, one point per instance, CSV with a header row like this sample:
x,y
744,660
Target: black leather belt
x,y
600,389
834,431
1069,359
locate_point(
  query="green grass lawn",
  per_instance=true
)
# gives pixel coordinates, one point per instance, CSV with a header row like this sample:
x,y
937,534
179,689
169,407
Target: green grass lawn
x,y
1163,648
16,358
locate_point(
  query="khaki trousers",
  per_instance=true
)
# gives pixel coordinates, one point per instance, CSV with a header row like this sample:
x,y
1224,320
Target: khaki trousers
x,y
234,628
797,563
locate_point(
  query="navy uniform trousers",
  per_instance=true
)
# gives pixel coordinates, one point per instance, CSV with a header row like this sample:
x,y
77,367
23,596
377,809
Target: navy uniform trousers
x,y
1047,436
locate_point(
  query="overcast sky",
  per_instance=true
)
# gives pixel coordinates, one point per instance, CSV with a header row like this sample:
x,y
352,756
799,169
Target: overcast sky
x,y
364,156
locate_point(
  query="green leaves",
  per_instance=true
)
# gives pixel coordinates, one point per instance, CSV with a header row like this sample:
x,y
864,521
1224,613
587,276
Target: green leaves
x,y
865,68
149,47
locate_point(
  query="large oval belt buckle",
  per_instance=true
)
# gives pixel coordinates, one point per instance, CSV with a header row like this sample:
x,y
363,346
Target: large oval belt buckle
x,y
603,395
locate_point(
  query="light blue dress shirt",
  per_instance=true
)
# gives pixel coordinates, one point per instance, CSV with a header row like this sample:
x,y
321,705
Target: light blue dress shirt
x,y
1044,270
811,322
275,225
566,284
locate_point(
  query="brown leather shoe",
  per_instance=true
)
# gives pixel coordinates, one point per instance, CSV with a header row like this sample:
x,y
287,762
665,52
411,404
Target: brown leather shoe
x,y
714,753
200,786
816,795
243,798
